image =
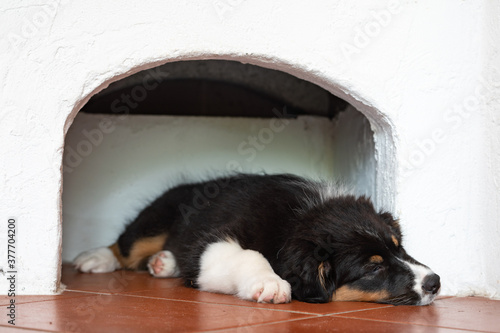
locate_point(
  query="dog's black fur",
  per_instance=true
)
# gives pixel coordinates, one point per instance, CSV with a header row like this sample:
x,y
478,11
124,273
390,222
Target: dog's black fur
x,y
316,241
328,247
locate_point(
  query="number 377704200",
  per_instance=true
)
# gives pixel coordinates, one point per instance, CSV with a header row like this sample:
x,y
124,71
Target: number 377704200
x,y
11,244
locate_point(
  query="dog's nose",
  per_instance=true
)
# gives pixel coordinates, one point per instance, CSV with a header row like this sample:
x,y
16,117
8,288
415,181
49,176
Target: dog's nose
x,y
431,284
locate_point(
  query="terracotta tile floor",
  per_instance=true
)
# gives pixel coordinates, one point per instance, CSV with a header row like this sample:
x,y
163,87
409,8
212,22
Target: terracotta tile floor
x,y
135,302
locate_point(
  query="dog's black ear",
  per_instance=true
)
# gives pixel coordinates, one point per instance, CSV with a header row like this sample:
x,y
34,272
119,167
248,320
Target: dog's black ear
x,y
310,273
392,223
390,220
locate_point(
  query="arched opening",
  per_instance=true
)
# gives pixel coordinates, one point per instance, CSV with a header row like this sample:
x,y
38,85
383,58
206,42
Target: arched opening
x,y
191,120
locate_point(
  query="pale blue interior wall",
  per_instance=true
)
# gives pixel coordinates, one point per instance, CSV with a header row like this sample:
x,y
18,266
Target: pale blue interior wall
x,y
114,165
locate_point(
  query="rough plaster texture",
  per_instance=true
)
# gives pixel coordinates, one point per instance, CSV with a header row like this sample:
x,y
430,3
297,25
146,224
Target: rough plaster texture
x,y
425,74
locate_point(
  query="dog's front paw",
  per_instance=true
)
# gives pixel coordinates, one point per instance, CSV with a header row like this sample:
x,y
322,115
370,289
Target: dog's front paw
x,y
267,289
100,260
163,264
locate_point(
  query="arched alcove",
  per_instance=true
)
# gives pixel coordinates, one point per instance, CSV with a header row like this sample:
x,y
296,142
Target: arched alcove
x,y
434,151
193,119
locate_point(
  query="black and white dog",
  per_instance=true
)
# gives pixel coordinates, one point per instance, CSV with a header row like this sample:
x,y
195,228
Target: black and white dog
x,y
270,238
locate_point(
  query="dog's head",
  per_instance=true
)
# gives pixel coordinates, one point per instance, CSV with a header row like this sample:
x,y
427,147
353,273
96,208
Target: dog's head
x,y
345,251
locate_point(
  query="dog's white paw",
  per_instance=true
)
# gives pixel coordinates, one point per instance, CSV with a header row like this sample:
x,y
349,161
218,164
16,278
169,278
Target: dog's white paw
x,y
267,289
100,260
163,264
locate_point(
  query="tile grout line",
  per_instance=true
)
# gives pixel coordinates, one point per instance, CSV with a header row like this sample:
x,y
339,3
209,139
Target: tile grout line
x,y
224,304
339,317
30,329
90,293
305,318
197,302
259,324
233,305
410,324
359,310
310,315
307,315
44,300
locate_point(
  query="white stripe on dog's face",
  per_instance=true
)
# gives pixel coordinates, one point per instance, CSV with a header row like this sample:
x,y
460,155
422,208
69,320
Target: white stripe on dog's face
x,y
421,272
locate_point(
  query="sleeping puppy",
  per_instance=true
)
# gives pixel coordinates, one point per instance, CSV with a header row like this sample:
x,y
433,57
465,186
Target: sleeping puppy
x,y
270,238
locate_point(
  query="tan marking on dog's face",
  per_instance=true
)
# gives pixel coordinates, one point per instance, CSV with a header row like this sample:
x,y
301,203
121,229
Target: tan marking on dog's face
x,y
346,293
376,259
141,249
395,240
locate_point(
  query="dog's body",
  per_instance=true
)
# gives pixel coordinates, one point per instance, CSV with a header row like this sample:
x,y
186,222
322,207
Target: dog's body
x,y
268,238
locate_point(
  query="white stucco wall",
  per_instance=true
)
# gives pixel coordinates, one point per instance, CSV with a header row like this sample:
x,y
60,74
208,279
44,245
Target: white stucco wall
x,y
419,71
